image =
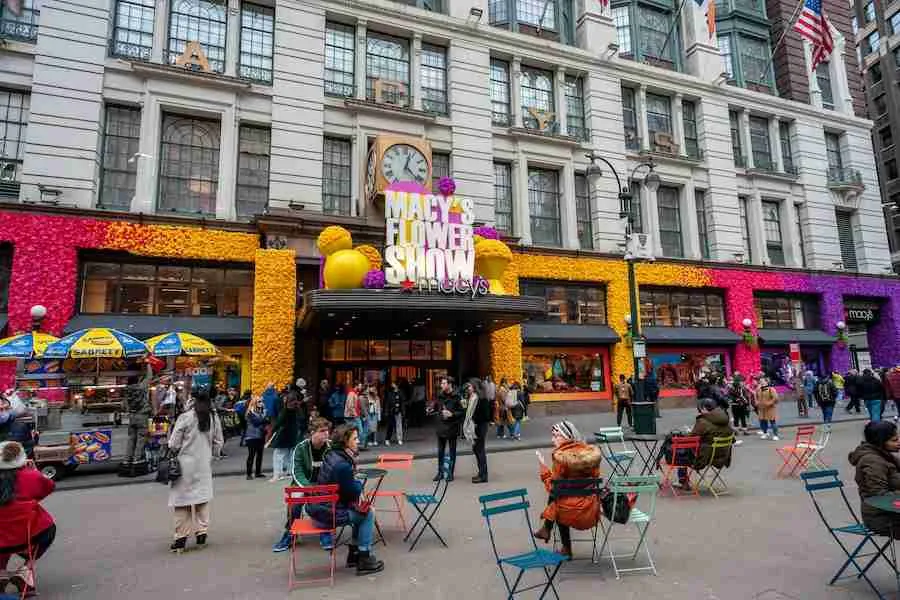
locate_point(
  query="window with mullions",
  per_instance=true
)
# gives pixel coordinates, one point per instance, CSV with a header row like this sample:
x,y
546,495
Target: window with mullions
x,y
336,176
823,78
786,312
5,275
583,212
622,19
787,156
440,166
387,59
736,148
759,143
636,211
434,79
170,289
257,42
189,165
543,204
756,63
254,144
573,304
743,201
499,92
655,43
537,98
771,210
833,152
873,42
727,55
204,21
575,122
681,307
869,12
691,140
133,29
14,113
669,206
659,117
894,23
629,118
118,175
23,26
550,19
340,59
503,200
700,202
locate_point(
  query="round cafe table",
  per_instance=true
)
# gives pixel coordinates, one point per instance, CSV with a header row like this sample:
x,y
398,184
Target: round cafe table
x,y
647,447
888,503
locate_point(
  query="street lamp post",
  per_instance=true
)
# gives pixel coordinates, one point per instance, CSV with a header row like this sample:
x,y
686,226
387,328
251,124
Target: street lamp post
x,y
626,197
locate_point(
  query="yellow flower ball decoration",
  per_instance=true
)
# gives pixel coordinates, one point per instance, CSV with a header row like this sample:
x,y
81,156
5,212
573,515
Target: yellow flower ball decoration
x,y
332,239
491,260
274,294
371,253
181,242
345,267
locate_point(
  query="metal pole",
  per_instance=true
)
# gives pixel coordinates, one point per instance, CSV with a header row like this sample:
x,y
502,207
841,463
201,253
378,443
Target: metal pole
x,y
635,331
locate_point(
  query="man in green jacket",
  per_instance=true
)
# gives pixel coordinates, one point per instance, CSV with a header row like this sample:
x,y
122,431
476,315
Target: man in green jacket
x,y
306,459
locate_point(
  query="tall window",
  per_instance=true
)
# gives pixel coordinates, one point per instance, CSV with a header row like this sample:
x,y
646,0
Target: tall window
x,y
629,116
575,122
801,239
583,212
121,135
336,176
681,307
895,23
543,204
503,200
833,153
133,29
387,62
189,165
549,19
440,166
14,111
434,79
659,118
576,304
823,77
254,145
772,225
635,210
537,98
340,59
787,312
755,63
691,141
745,228
727,54
869,12
171,289
499,92
736,148
873,41
787,157
23,26
670,222
655,42
257,42
203,21
623,29
702,222
845,237
759,143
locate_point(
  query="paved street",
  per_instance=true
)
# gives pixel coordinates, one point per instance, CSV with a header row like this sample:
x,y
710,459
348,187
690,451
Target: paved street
x,y
762,542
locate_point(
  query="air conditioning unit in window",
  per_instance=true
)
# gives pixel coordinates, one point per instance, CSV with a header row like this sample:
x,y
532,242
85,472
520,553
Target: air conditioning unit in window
x,y
390,92
640,247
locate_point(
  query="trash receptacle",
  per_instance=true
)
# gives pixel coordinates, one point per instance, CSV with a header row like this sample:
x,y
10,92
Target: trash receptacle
x,y
644,417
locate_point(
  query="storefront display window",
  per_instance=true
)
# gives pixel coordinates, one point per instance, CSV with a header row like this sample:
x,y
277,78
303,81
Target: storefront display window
x,y
678,369
566,373
138,288
573,304
681,308
393,350
776,364
787,312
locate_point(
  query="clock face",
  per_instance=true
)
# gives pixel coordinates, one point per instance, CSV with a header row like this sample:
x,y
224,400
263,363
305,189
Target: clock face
x,y
402,162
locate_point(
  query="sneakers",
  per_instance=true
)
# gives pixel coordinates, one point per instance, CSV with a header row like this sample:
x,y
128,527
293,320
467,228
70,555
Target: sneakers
x,y
284,544
762,434
178,545
387,442
738,442
399,442
774,438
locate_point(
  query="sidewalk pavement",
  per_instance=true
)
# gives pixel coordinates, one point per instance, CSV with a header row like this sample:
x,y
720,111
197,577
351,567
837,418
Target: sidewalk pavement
x,y
421,443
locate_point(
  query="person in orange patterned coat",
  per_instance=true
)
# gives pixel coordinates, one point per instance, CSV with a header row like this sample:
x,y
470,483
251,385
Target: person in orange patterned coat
x,y
573,458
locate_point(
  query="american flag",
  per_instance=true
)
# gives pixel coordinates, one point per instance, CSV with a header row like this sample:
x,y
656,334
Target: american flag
x,y
812,25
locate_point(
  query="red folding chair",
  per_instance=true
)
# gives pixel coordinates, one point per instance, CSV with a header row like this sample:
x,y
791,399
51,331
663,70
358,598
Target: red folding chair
x,y
689,445
17,514
313,494
402,464
795,456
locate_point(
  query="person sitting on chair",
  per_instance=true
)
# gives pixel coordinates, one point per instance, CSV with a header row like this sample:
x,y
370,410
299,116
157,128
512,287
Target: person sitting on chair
x,y
712,422
573,458
877,474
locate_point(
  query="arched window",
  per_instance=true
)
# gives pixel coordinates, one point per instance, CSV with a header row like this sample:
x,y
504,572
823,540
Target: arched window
x,y
203,21
189,165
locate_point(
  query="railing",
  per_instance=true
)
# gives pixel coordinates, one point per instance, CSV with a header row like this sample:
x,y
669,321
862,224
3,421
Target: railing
x,y
841,177
24,28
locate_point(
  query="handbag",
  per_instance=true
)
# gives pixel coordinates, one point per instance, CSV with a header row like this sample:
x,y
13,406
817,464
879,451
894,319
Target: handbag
x,y
616,506
169,470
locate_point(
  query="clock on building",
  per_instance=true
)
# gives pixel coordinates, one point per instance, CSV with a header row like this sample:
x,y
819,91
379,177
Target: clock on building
x,y
397,159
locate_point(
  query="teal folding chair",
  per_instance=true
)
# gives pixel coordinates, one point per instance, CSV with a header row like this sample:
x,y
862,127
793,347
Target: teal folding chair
x,y
511,503
614,449
643,511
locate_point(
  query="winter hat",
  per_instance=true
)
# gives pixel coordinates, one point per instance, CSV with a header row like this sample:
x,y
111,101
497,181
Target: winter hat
x,y
12,456
567,430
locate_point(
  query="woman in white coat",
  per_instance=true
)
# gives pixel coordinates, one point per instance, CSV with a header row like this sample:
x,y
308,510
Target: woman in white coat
x,y
197,438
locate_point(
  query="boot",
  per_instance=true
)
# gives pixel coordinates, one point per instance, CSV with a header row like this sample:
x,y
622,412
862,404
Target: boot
x,y
201,540
368,564
543,533
352,556
566,551
178,545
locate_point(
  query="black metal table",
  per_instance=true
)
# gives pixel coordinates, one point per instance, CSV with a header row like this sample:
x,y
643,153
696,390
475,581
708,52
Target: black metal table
x,y
372,479
647,448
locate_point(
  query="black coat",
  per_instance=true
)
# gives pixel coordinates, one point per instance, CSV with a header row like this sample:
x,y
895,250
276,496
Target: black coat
x,y
393,403
484,411
851,383
449,427
869,388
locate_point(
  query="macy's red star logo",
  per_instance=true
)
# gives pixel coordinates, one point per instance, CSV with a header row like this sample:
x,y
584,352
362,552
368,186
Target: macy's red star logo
x,y
407,285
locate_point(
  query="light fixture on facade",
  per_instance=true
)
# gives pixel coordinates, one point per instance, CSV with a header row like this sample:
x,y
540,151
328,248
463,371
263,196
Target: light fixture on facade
x,y
721,78
475,14
612,49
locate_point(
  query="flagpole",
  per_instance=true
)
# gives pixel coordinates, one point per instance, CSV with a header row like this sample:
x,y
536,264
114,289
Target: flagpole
x,y
673,27
784,33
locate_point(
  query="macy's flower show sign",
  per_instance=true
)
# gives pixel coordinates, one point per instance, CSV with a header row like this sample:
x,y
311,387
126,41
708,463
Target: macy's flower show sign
x,y
428,237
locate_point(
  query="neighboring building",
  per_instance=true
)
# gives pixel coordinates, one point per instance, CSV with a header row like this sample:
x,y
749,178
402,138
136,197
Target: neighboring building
x,y
876,25
267,137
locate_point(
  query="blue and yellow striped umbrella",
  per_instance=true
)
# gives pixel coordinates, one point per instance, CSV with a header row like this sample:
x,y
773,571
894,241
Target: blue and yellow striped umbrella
x,y
97,342
180,342
25,345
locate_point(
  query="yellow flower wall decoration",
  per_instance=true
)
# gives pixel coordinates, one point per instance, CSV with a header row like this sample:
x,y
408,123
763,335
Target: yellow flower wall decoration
x,y
169,241
274,296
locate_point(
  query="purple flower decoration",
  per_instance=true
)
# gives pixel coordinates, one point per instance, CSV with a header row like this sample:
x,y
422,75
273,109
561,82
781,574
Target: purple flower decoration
x,y
487,232
374,280
446,186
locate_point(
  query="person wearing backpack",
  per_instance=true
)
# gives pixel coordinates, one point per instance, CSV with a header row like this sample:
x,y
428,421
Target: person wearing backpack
x,y
826,397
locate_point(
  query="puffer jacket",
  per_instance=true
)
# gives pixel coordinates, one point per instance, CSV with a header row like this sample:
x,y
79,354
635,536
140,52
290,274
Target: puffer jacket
x,y
877,473
708,426
337,467
573,460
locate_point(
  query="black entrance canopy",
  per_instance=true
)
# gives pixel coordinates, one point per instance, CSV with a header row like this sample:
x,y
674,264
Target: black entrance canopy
x,y
363,313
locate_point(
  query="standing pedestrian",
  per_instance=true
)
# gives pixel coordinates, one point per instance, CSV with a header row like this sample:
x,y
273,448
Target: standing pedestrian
x,y
767,407
287,433
394,407
478,419
839,384
254,436
624,394
651,391
451,414
373,412
809,388
352,408
826,397
516,409
502,417
870,390
196,438
851,391
240,409
892,387
739,396
800,396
